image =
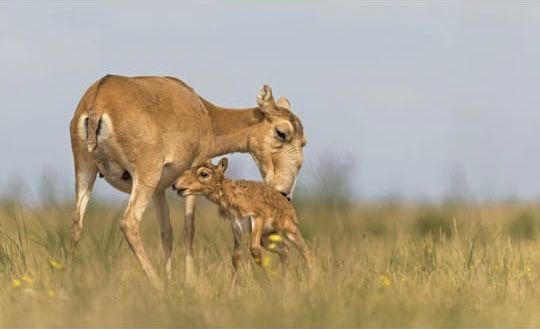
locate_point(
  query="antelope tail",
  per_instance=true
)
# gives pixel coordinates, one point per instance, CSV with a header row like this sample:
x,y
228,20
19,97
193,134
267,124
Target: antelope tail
x,y
93,125
93,131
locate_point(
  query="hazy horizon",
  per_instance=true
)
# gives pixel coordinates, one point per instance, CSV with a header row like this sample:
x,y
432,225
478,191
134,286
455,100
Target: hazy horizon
x,y
421,99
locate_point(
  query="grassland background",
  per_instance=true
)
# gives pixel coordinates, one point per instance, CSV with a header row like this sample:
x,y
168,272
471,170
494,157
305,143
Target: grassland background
x,y
379,264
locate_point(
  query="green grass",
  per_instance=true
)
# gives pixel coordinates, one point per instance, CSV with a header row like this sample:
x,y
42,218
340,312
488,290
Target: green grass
x,y
378,265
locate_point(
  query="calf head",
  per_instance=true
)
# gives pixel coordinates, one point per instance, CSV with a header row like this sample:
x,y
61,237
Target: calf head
x,y
201,179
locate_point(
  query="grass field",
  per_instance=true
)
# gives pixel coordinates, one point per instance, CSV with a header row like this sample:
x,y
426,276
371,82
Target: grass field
x,y
378,265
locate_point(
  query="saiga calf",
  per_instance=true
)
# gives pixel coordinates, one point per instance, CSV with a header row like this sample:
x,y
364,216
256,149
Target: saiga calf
x,y
267,211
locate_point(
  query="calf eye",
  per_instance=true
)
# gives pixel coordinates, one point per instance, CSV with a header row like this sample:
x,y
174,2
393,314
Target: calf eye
x,y
203,174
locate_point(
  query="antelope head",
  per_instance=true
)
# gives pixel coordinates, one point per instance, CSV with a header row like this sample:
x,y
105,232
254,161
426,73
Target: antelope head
x,y
277,147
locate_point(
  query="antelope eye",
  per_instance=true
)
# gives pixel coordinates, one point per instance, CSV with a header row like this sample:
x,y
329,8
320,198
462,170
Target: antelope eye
x,y
281,135
203,174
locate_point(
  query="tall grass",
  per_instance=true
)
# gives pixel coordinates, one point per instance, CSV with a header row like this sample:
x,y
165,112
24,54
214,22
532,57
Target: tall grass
x,y
377,265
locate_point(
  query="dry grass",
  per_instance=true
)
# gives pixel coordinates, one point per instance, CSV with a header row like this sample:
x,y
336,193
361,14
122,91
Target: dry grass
x,y
379,265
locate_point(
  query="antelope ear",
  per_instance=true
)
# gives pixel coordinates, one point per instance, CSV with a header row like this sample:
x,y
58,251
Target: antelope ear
x,y
265,100
283,102
222,165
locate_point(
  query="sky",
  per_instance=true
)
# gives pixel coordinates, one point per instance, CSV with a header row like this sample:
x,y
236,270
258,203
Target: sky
x,y
415,99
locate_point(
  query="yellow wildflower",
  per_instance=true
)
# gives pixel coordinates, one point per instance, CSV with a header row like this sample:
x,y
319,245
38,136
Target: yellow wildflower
x,y
55,264
403,280
384,280
275,238
272,246
51,293
16,283
266,261
27,279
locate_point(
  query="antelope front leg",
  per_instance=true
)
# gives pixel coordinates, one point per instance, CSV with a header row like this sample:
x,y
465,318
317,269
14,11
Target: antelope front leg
x,y
160,202
256,234
140,196
189,232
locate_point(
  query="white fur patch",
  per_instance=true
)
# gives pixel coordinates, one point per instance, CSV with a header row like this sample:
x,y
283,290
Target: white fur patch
x,y
252,222
238,225
268,225
83,195
105,128
81,128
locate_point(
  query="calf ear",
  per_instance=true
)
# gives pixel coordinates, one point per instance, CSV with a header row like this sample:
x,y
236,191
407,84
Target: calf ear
x,y
222,165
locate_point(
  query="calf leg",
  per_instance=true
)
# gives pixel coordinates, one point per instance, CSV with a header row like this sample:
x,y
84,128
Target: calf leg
x,y
292,234
237,248
256,234
279,248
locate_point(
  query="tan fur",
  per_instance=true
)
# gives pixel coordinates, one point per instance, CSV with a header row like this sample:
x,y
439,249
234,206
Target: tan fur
x,y
141,133
268,210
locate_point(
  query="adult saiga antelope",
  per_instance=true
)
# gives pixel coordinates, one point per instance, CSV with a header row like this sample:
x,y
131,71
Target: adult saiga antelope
x,y
141,133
